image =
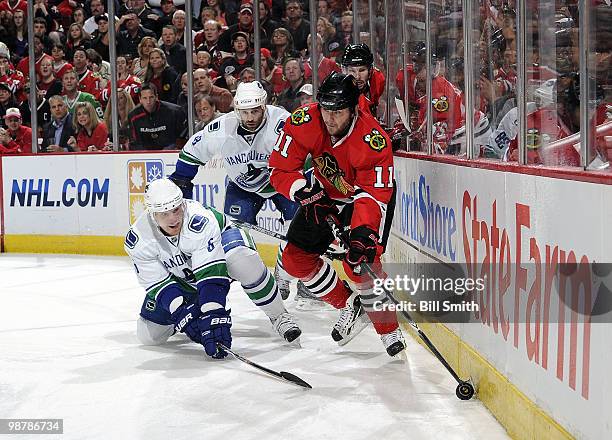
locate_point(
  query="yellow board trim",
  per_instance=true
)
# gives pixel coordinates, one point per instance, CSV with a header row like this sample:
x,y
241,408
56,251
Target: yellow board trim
x,y
521,417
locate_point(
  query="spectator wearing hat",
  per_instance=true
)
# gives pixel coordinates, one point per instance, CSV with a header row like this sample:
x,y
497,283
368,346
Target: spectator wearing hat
x,y
326,65
17,138
204,85
129,39
100,38
231,67
43,110
97,9
293,70
245,24
8,75
305,94
167,8
59,131
295,23
176,55
7,100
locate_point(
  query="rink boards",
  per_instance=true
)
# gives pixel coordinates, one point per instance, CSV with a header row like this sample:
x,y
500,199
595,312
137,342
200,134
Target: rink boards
x,y
542,371
85,203
541,368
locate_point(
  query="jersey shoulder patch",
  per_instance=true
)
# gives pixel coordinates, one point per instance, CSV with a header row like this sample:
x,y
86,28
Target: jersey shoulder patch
x,y
301,116
131,239
213,126
375,140
197,223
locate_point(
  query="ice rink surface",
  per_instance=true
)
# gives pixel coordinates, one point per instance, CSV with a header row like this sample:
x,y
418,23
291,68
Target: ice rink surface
x,y
68,349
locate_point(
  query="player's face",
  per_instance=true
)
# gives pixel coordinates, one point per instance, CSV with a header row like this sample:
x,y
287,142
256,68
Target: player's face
x,y
336,121
251,118
361,74
170,221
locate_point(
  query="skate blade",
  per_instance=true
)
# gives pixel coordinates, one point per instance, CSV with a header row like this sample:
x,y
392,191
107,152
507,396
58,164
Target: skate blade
x,y
295,343
306,305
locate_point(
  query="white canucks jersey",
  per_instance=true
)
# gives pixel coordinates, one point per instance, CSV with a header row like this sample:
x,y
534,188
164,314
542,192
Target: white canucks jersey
x,y
245,154
194,255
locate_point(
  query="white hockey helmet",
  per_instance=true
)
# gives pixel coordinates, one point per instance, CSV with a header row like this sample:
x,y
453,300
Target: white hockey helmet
x,y
546,94
250,95
162,195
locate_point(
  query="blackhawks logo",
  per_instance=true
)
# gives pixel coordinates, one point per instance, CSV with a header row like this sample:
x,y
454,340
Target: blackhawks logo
x,y
375,140
300,116
330,170
440,104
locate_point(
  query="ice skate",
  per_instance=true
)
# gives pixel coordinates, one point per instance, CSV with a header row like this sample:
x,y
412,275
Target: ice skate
x,y
282,283
394,342
306,301
286,327
351,322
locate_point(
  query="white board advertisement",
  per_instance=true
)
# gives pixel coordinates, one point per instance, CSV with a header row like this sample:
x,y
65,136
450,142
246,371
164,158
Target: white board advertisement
x,y
517,230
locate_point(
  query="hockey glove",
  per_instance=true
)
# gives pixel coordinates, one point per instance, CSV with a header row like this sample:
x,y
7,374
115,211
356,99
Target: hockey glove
x,y
185,320
184,183
316,203
362,247
215,327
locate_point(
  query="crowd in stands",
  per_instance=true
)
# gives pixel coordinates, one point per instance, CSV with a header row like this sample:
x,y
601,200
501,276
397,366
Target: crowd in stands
x,y
73,87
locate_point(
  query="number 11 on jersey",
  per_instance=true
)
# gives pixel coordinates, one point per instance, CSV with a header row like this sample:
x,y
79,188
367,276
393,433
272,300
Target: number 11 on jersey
x,y
285,140
379,177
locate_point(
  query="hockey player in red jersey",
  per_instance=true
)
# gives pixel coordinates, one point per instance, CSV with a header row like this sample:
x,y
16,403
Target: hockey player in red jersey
x,y
358,61
353,181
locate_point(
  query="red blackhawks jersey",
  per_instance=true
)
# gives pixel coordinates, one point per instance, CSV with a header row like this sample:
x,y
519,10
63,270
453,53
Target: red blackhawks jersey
x,y
368,101
89,82
357,168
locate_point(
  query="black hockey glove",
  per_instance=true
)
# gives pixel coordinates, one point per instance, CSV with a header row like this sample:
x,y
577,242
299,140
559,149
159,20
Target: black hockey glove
x,y
362,247
316,203
184,183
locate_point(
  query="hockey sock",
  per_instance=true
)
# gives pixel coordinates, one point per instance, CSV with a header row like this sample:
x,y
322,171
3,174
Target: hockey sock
x,y
264,294
326,285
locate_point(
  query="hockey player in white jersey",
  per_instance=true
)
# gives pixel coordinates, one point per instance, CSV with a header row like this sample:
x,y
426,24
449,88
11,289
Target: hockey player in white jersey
x,y
245,139
185,256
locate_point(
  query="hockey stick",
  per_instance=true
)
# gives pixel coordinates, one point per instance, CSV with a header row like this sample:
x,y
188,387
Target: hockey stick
x,y
464,390
402,114
282,375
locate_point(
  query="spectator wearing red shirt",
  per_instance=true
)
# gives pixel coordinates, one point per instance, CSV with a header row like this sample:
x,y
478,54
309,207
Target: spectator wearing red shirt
x,y
39,55
92,134
326,65
14,5
17,139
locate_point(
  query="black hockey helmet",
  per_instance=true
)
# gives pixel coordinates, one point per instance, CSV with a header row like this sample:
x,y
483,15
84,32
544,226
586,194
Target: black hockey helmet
x,y
338,91
357,55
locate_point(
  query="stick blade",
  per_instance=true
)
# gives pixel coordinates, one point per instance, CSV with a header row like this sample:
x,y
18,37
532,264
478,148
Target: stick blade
x,y
294,379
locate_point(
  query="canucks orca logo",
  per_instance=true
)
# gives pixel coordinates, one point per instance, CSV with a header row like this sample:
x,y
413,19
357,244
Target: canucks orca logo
x,y
197,223
375,140
300,116
131,239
